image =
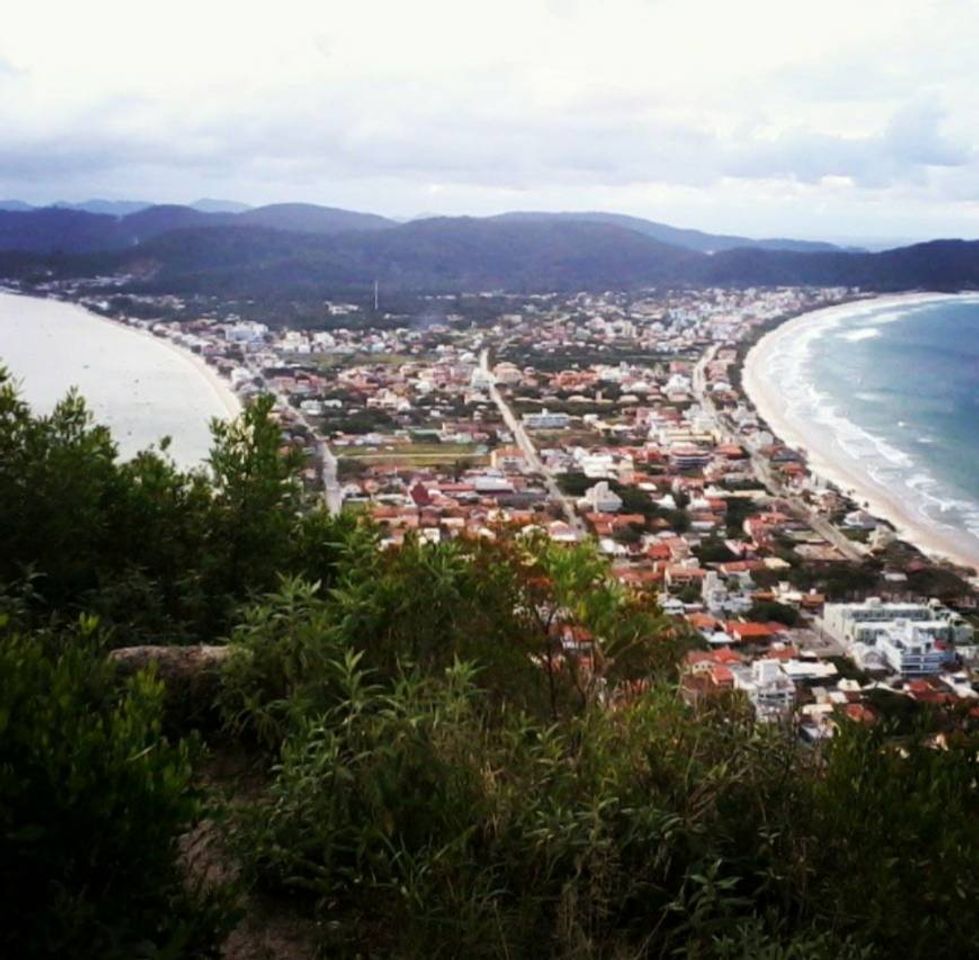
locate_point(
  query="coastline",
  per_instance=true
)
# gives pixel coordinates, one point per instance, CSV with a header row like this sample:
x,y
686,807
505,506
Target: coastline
x,y
824,456
174,393
219,386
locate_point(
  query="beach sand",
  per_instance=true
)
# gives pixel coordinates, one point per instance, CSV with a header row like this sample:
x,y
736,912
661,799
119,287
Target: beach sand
x,y
221,388
826,457
142,392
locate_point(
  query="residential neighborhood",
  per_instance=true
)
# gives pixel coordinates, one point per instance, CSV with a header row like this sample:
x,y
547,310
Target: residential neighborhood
x,y
619,419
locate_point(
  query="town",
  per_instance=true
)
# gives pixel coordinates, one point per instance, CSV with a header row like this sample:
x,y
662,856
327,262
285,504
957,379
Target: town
x,y
618,417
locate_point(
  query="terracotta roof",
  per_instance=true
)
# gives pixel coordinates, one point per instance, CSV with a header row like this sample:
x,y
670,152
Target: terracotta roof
x,y
748,630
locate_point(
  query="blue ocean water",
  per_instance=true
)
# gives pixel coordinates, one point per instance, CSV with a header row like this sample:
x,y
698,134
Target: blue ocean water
x,y
899,386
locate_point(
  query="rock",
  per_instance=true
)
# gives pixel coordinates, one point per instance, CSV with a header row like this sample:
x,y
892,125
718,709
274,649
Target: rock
x,y
191,675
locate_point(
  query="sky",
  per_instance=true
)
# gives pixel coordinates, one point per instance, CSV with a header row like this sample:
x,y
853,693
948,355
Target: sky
x,y
839,119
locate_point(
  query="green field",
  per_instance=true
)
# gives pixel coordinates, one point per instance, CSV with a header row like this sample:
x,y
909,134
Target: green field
x,y
416,454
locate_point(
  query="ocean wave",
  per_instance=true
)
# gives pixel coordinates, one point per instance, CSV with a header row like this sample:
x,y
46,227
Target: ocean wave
x,y
864,333
895,472
939,505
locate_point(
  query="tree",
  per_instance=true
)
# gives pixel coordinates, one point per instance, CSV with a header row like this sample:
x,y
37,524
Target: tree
x,y
769,610
92,802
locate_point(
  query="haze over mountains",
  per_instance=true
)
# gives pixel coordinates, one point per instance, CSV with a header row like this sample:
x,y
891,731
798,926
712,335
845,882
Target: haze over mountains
x,y
306,249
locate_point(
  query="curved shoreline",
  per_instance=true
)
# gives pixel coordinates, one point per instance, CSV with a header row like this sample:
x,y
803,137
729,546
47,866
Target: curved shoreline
x,y
196,392
219,386
824,456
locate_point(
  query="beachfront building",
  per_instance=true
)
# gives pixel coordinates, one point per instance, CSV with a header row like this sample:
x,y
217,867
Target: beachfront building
x,y
912,651
850,623
912,639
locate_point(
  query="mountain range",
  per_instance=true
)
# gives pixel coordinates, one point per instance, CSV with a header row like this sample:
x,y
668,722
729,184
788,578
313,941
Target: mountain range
x,y
120,208
302,249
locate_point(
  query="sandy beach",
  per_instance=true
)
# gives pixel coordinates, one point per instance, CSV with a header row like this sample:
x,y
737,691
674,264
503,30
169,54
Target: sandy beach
x,y
221,388
826,457
142,386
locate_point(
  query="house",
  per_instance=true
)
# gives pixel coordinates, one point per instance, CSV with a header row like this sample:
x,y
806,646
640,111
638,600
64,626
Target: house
x,y
770,691
601,499
546,420
747,631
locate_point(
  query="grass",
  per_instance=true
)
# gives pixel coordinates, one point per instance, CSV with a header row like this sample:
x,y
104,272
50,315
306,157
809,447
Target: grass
x,y
416,454
335,361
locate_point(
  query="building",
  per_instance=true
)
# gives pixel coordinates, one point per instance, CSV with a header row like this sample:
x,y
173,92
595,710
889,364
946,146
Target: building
x,y
911,650
770,691
850,623
689,457
507,373
601,499
546,420
246,331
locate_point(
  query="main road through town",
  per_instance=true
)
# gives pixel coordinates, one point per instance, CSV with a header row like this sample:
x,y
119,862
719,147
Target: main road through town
x,y
332,495
528,449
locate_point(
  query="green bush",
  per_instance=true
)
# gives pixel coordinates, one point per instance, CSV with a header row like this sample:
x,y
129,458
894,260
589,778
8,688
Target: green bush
x,y
418,822
92,801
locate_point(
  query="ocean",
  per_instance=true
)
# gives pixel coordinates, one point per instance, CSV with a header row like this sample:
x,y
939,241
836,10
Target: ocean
x,y
896,389
140,387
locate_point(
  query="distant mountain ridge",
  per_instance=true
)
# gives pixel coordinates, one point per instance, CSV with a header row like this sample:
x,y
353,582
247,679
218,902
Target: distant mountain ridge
x,y
680,237
440,254
70,230
287,250
122,208
314,218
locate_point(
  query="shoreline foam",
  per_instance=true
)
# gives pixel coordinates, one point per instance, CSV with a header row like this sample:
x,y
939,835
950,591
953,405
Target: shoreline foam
x,y
825,455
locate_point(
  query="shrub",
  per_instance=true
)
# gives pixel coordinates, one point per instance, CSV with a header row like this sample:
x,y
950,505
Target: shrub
x,y
92,801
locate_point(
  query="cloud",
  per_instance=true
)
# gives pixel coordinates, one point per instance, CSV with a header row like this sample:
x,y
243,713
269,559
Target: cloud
x,y
914,135
673,104
911,142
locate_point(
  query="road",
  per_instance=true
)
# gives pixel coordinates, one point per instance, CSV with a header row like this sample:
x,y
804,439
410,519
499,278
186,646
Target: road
x,y
762,468
332,496
529,451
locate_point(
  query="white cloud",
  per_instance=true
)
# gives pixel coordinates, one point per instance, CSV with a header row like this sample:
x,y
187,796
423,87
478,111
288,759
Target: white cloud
x,y
740,116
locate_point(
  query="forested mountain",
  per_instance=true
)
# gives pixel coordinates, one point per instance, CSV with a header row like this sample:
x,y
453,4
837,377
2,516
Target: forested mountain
x,y
71,230
310,218
690,239
297,249
440,254
938,265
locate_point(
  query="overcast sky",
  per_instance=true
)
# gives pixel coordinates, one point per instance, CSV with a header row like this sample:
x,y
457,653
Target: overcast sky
x,y
838,118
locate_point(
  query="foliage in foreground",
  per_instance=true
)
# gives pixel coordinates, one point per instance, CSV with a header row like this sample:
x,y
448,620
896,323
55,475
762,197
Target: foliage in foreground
x,y
162,555
417,821
438,775
92,799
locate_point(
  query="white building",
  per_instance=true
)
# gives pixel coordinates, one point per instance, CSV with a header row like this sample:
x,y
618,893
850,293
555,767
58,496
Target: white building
x,y
770,691
546,420
911,650
850,623
247,331
601,499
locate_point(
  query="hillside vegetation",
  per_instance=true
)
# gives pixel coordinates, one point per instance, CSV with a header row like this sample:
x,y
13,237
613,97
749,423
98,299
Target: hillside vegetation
x,y
420,767
295,251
